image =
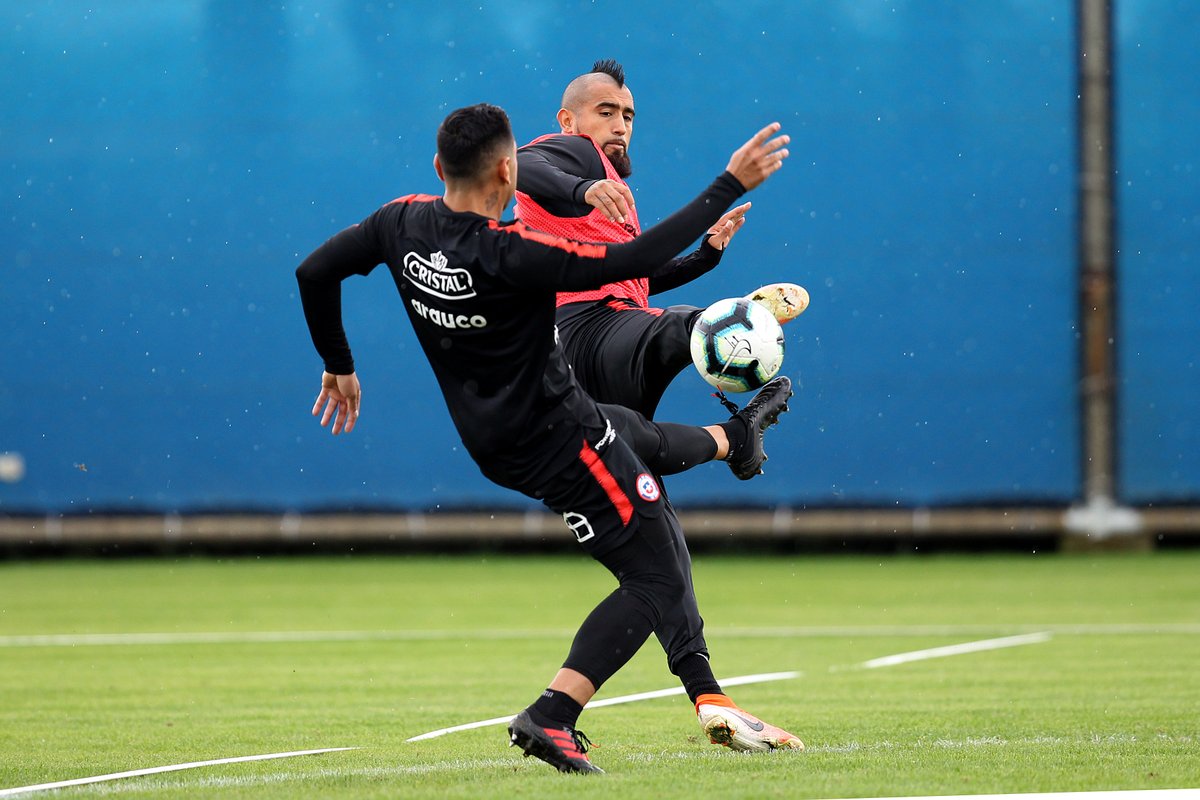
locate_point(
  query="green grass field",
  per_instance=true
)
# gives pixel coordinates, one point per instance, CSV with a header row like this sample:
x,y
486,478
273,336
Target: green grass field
x,y
397,647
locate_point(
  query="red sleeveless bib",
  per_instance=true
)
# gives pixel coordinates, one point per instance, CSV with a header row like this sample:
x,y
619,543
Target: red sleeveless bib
x,y
595,227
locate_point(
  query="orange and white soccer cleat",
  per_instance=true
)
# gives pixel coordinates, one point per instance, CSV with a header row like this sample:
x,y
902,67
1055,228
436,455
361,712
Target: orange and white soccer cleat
x,y
726,724
785,300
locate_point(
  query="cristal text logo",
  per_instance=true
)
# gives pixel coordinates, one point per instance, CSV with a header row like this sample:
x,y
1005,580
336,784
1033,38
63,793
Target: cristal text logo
x,y
437,278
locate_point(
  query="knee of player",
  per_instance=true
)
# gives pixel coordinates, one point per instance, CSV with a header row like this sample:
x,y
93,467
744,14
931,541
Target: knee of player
x,y
661,589
670,584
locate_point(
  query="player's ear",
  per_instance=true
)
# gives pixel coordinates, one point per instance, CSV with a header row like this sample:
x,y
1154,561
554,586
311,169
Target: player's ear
x,y
507,170
437,167
566,120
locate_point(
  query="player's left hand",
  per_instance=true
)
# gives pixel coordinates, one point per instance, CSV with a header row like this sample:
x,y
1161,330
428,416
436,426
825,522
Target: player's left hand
x,y
730,223
342,398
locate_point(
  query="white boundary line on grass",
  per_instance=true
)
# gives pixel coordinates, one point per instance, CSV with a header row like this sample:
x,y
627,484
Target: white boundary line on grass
x,y
957,649
884,661
613,701
135,773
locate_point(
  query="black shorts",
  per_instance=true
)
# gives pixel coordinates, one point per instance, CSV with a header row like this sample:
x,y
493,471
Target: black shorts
x,y
589,475
625,354
603,494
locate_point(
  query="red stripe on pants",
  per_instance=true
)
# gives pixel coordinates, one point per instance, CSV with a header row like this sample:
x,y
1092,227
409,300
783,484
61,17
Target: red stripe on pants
x,y
607,482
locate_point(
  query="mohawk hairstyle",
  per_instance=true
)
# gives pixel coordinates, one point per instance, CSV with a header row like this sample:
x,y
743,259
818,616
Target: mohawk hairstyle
x,y
612,69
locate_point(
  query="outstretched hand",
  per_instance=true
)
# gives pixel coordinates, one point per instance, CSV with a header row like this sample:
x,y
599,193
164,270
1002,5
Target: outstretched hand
x,y
342,397
759,158
730,223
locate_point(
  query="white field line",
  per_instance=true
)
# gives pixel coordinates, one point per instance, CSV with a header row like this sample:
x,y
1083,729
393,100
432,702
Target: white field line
x,y
612,701
957,649
134,773
284,637
899,658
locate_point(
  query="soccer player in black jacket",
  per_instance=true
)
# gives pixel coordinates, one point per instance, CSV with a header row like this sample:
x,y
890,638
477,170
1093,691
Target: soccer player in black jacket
x,y
480,296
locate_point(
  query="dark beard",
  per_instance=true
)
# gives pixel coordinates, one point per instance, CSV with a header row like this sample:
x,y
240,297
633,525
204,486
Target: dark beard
x,y
620,163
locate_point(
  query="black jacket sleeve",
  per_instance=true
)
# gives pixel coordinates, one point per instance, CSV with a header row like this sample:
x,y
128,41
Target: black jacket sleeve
x,y
658,244
685,269
561,264
353,251
557,173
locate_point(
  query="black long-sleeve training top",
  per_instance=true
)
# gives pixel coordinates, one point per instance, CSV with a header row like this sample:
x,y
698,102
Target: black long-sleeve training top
x,y
480,297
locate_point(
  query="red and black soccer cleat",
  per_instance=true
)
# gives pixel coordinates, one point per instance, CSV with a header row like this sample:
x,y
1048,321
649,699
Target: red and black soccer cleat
x,y
565,749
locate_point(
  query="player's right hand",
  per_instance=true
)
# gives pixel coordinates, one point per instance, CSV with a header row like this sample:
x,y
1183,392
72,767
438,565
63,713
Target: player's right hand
x,y
613,198
757,159
729,224
342,397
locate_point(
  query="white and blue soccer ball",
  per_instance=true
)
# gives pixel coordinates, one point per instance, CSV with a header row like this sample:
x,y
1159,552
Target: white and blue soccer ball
x,y
737,345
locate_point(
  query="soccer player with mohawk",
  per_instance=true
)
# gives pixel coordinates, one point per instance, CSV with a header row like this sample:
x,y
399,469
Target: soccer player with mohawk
x,y
623,350
573,184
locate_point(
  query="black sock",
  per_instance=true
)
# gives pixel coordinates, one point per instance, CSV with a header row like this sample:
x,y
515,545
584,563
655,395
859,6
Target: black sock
x,y
682,447
696,674
555,709
736,431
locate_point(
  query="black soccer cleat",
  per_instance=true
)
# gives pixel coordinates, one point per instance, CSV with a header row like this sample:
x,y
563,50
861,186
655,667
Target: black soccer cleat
x,y
759,414
565,749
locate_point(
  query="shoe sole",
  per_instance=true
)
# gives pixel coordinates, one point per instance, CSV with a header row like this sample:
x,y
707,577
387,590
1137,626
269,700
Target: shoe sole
x,y
719,732
785,301
531,745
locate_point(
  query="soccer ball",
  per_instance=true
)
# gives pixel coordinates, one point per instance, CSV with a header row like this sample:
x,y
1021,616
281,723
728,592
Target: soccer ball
x,y
737,345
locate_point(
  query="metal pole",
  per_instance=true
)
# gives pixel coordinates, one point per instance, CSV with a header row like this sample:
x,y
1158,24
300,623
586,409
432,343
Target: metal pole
x,y
1099,518
1096,248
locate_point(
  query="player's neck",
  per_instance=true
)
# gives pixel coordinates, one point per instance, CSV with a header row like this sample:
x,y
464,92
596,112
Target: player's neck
x,y
488,201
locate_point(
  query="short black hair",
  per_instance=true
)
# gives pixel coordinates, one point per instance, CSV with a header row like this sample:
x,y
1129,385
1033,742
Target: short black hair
x,y
468,136
612,69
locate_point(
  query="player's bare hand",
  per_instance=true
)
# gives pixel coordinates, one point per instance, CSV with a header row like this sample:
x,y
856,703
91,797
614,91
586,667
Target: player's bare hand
x,y
759,158
341,399
729,224
613,198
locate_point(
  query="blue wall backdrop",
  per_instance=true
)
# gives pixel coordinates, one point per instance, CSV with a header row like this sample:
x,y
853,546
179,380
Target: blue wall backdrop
x,y
1159,204
167,164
